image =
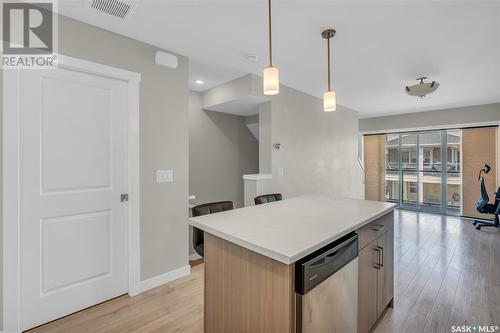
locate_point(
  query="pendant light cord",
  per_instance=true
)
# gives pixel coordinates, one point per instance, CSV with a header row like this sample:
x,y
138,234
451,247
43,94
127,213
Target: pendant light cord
x,y
270,36
328,43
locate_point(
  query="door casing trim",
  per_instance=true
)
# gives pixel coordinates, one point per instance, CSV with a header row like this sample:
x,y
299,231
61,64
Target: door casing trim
x,y
11,182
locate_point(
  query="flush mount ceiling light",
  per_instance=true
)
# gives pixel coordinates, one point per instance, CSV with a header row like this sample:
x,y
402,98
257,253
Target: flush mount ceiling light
x,y
329,99
199,81
252,58
271,75
423,88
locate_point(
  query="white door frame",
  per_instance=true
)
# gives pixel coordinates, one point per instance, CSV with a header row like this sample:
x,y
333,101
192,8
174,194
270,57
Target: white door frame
x,y
11,176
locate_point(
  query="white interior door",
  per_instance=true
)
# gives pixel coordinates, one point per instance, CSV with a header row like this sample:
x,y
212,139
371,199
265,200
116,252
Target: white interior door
x,y
73,168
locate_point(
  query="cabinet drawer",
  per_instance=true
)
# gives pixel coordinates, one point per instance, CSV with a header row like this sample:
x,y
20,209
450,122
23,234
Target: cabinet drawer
x,y
375,229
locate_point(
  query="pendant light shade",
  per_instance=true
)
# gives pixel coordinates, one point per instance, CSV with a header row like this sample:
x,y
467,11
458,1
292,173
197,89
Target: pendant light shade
x,y
271,75
329,98
329,101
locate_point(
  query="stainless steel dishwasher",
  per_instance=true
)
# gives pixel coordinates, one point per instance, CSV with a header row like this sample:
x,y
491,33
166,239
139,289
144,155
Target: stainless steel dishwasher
x,y
326,288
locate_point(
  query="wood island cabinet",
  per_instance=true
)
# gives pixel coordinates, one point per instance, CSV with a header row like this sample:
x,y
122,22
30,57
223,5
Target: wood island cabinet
x,y
375,271
367,288
385,277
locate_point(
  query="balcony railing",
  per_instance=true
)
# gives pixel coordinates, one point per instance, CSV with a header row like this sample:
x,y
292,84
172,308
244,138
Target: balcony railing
x,y
452,204
429,169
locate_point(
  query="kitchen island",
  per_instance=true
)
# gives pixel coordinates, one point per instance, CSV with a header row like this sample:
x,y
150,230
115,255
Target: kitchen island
x,y
251,254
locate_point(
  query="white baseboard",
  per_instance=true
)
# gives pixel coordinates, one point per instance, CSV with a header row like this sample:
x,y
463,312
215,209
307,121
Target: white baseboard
x,y
164,278
194,256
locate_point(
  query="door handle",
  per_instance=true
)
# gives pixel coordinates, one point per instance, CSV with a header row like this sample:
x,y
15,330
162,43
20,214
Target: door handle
x,y
382,256
377,265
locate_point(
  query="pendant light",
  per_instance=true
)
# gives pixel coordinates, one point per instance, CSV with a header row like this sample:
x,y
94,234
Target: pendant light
x,y
271,75
329,100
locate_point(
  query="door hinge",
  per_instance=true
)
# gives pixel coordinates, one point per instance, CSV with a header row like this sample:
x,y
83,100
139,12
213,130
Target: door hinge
x,y
124,197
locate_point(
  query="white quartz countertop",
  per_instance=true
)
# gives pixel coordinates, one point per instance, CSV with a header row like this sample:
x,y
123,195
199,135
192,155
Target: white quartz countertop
x,y
291,229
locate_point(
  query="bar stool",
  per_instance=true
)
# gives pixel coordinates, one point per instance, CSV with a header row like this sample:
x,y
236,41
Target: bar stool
x,y
205,209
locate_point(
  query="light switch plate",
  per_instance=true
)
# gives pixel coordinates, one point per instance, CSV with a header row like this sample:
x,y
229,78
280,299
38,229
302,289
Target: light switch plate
x,y
164,176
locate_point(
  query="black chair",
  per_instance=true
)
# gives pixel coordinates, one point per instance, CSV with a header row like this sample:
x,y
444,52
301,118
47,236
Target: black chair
x,y
484,206
262,199
205,209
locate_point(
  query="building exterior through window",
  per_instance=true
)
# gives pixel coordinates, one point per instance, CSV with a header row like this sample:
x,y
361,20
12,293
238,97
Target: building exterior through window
x,y
422,170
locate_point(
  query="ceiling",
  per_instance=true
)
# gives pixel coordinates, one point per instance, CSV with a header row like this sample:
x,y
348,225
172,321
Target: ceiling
x,y
380,46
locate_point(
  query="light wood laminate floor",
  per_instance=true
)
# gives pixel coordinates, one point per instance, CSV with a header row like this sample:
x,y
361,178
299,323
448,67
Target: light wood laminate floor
x,y
446,273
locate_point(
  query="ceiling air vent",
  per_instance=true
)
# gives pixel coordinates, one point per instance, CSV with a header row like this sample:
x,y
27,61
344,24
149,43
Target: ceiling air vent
x,y
113,7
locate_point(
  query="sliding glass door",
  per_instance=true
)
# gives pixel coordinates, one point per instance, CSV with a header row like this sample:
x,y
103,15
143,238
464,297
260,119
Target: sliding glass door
x,y
392,168
423,170
430,170
454,171
409,161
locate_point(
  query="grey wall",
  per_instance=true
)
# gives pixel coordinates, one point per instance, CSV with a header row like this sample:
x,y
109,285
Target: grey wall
x,y
228,91
1,201
221,151
265,152
318,151
163,139
445,117
478,115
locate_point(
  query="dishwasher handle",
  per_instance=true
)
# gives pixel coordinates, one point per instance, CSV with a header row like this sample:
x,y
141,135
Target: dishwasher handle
x,y
332,254
319,266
